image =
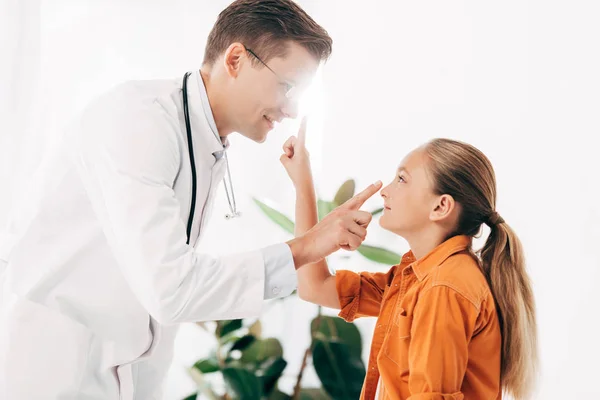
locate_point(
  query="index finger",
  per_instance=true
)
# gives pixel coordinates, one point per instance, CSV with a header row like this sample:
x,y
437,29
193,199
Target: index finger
x,y
358,200
302,131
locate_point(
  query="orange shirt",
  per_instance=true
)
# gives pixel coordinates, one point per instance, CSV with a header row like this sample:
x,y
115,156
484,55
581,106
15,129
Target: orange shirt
x,y
437,335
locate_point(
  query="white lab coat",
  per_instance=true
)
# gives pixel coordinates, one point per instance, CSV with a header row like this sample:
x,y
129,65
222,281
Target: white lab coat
x,y
97,275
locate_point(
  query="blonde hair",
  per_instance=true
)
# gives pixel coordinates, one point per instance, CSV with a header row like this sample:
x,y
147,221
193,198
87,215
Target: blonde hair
x,y
465,173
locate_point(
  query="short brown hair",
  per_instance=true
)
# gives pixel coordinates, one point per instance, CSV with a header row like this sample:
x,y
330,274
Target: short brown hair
x,y
264,26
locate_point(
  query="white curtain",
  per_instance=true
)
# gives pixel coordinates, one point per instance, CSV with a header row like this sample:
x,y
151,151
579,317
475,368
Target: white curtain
x,y
19,81
518,79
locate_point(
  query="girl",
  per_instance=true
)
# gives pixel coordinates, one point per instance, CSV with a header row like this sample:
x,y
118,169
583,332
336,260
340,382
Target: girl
x,y
452,323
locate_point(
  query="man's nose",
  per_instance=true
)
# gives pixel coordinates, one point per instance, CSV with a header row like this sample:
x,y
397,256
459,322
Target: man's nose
x,y
290,109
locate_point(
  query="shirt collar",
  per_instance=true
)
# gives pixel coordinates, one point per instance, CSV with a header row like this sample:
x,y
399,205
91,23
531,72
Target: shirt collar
x,y
204,120
423,266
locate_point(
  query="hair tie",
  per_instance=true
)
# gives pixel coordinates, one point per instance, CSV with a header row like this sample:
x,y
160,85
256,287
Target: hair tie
x,y
494,219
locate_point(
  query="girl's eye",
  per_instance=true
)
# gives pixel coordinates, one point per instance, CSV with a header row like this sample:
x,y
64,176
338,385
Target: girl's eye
x,y
401,179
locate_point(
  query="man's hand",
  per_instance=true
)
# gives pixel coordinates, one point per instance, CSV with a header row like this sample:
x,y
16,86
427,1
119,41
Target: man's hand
x,y
343,228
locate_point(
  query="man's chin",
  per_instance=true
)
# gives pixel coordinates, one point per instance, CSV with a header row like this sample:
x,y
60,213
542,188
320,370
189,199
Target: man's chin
x,y
260,136
256,136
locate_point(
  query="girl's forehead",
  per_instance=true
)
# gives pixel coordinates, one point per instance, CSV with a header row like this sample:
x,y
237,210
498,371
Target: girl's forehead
x,y
413,160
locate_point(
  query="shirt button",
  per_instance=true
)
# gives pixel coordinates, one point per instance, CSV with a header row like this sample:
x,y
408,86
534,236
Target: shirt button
x,y
276,291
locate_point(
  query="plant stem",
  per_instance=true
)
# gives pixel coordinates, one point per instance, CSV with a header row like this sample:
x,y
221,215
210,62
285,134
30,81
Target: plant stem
x,y
202,385
296,394
220,360
203,326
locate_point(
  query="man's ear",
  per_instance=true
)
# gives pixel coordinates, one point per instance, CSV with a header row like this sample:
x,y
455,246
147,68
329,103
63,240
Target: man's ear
x,y
443,208
234,58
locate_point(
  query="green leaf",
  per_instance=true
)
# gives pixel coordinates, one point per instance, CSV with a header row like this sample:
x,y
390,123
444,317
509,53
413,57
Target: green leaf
x,y
324,208
192,397
270,371
341,373
276,216
262,349
227,347
242,383
379,254
207,365
377,211
279,395
226,327
243,342
336,329
314,394
345,192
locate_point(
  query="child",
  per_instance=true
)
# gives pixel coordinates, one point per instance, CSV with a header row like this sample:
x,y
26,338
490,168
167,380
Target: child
x,y
451,323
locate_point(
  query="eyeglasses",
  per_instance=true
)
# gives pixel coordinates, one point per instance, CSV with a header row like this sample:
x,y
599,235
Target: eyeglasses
x,y
289,88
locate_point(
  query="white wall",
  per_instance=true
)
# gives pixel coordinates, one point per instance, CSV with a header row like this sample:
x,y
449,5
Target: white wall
x,y
519,79
516,78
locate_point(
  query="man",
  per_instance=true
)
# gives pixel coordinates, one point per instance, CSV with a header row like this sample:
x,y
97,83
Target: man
x,y
104,266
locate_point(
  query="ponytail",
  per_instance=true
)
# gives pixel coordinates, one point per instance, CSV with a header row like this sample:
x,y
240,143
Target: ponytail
x,y
466,174
503,264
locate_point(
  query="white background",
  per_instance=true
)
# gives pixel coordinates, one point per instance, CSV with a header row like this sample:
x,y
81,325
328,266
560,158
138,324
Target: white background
x,y
519,79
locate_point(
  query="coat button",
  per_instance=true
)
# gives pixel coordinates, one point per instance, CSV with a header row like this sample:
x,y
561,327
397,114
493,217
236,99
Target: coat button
x,y
276,291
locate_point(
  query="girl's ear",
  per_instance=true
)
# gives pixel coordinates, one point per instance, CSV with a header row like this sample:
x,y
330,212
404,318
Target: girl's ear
x,y
443,208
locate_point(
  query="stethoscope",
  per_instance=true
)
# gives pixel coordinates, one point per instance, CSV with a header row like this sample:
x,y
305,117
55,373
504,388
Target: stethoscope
x,y
230,198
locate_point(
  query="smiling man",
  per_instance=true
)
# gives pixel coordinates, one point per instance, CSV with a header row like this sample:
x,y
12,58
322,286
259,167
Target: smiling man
x,y
105,264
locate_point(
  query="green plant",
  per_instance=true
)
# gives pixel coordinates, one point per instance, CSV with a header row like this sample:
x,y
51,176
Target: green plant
x,y
251,365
